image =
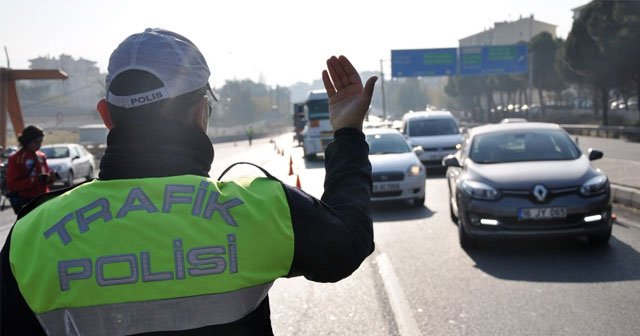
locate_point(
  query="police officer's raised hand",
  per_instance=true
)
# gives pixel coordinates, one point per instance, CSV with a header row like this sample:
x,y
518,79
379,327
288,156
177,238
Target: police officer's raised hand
x,y
348,100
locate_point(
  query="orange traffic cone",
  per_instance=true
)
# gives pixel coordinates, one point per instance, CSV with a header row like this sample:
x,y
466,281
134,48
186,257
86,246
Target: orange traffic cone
x,y
613,216
298,182
290,167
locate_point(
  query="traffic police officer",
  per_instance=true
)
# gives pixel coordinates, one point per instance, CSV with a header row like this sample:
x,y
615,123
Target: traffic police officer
x,y
155,245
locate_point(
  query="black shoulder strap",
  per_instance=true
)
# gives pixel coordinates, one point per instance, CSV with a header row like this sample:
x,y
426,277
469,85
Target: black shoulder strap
x,y
264,171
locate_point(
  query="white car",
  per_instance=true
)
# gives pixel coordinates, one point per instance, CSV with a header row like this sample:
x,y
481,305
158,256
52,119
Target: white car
x,y
437,132
398,174
70,162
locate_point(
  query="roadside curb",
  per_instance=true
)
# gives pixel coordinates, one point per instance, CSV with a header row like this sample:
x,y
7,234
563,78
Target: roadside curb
x,y
625,196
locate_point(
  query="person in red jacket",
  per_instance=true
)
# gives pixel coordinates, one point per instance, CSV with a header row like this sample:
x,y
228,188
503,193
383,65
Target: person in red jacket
x,y
28,174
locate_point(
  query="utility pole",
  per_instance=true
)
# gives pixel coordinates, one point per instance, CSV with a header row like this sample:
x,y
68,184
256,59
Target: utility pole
x,y
384,108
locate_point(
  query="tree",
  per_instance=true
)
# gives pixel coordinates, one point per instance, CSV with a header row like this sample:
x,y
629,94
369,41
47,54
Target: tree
x,y
542,49
594,49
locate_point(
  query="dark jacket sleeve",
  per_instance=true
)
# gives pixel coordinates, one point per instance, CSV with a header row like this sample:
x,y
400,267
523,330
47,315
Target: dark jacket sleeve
x,y
334,235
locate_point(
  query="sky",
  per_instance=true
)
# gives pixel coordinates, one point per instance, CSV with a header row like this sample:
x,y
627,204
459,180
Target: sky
x,y
275,42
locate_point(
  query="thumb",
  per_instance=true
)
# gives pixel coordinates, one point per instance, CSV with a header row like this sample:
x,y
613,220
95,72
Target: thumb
x,y
368,88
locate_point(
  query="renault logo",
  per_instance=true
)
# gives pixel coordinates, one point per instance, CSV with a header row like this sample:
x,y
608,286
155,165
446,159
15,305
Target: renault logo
x,y
540,192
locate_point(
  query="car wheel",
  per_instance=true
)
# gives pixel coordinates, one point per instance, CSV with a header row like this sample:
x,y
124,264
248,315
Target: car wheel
x,y
466,241
70,179
90,173
600,238
454,218
418,202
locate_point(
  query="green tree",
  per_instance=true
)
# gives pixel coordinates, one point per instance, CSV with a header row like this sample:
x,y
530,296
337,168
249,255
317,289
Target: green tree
x,y
542,50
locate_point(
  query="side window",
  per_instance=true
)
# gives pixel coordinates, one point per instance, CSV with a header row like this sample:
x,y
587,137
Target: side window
x,y
464,151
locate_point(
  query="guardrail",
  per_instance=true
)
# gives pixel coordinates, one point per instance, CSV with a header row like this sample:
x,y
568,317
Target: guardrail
x,y
627,132
631,133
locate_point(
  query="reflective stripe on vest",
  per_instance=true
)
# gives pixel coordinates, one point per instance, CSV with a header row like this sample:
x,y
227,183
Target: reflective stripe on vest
x,y
141,240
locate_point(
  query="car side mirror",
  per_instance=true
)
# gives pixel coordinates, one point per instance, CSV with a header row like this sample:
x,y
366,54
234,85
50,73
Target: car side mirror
x,y
462,130
451,161
595,154
75,158
418,150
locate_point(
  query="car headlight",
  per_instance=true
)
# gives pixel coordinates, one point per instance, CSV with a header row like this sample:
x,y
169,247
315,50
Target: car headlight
x,y
414,170
595,185
479,190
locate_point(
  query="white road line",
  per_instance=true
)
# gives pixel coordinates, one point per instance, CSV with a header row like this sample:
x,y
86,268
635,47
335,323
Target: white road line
x,y
402,313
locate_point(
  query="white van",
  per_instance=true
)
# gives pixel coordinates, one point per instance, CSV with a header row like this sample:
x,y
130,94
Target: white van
x,y
437,132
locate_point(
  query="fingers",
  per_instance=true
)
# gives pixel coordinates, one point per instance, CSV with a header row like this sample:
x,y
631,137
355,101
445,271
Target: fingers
x,y
368,89
327,83
342,72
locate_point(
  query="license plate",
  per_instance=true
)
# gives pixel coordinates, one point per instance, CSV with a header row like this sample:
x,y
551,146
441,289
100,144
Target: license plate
x,y
542,213
379,187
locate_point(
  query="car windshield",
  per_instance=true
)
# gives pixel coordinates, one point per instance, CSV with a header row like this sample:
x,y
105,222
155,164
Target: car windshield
x,y
55,152
427,127
387,144
529,145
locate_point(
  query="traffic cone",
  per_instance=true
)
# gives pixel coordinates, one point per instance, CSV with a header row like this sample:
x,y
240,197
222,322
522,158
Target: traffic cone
x,y
290,166
613,216
298,182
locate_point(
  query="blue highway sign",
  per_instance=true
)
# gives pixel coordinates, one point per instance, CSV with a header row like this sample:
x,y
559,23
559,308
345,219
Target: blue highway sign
x,y
491,60
424,62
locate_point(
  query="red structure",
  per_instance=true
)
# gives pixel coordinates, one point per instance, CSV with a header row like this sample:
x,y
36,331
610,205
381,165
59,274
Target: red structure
x,y
9,101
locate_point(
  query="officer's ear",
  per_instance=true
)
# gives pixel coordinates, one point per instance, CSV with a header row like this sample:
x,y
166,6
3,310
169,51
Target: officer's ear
x,y
103,110
200,114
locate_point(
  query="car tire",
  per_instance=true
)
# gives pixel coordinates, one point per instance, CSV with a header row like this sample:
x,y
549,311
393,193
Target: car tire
x,y
600,239
466,242
70,179
418,202
454,218
90,174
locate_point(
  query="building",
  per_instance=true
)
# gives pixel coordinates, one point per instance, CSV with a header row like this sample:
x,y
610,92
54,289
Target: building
x,y
576,11
506,33
77,94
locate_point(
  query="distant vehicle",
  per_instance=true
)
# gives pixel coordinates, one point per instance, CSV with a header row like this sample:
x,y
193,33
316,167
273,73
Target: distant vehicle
x,y
526,179
317,133
513,120
437,132
69,161
299,120
398,174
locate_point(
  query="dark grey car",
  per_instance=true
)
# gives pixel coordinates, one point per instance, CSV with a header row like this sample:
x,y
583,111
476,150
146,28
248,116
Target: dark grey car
x,y
526,179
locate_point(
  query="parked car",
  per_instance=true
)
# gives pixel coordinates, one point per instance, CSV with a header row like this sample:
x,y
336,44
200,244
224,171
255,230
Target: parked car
x,y
69,161
398,174
526,179
437,132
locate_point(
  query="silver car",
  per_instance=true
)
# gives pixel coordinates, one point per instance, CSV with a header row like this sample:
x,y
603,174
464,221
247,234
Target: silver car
x,y
398,174
70,162
526,179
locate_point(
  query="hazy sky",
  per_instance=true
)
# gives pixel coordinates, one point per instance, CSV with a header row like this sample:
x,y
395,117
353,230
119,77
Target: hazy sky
x,y
279,42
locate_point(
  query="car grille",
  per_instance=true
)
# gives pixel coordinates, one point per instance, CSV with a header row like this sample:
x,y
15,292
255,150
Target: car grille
x,y
387,193
513,223
528,194
387,177
431,149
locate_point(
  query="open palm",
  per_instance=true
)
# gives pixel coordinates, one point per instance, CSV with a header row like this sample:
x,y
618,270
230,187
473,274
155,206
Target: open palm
x,y
348,100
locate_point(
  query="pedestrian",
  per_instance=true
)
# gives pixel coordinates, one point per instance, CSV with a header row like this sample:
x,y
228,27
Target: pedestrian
x,y
156,246
250,134
28,174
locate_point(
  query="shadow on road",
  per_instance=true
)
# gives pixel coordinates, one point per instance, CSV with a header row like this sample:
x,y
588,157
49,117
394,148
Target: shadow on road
x,y
398,211
557,260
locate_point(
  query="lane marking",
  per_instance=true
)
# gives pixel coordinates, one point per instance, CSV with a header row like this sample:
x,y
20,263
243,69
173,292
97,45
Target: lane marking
x,y
402,313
